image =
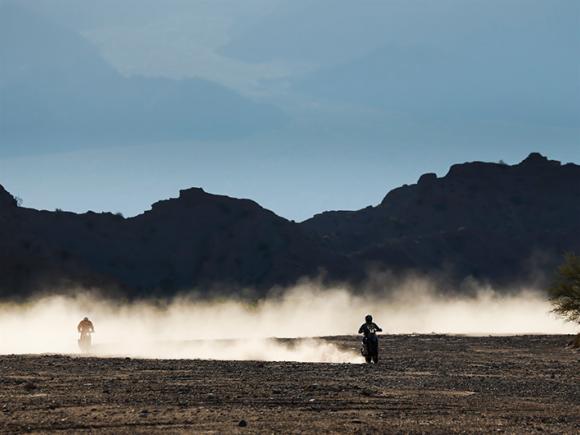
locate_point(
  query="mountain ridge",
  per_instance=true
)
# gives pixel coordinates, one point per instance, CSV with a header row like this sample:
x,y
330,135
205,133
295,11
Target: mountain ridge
x,y
467,218
489,221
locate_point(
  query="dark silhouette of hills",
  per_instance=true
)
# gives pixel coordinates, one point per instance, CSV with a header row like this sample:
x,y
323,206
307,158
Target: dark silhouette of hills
x,y
494,222
489,221
195,242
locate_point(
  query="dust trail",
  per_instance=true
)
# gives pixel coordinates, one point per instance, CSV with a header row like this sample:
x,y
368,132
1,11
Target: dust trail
x,y
186,328
302,350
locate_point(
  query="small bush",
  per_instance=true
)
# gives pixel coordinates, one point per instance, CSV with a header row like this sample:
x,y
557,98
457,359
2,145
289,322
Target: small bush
x,y
565,290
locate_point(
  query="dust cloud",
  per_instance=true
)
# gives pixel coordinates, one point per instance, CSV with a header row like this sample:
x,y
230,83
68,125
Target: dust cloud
x,y
235,330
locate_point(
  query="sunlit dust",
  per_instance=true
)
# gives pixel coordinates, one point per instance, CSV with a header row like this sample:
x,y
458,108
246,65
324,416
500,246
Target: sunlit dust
x,y
237,330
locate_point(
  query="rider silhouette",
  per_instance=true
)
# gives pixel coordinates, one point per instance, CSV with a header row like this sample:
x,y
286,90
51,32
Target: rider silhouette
x,y
370,349
85,327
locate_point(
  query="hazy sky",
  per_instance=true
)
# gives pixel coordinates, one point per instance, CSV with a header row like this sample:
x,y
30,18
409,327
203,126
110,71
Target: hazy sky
x,y
301,105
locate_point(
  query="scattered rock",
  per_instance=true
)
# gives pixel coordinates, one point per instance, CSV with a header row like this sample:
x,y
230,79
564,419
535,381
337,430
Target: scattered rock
x,y
575,343
29,386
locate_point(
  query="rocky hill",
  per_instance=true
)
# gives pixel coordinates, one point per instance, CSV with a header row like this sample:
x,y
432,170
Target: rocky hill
x,y
493,222
197,242
490,221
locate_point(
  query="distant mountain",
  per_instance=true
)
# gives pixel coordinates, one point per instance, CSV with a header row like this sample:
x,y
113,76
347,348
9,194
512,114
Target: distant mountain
x,y
494,222
489,221
197,242
57,92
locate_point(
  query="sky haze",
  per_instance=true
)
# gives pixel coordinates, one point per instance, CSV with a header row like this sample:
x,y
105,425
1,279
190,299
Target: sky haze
x,y
303,106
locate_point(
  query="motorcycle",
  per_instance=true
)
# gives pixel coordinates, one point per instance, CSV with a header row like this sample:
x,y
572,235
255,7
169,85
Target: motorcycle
x,y
370,348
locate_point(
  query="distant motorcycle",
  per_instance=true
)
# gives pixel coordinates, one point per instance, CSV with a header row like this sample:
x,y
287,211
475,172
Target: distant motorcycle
x,y
370,348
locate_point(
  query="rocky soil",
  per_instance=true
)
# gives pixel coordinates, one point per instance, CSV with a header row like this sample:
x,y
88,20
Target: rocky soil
x,y
427,383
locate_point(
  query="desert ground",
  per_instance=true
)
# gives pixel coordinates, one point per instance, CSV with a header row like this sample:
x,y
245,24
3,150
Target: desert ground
x,y
423,383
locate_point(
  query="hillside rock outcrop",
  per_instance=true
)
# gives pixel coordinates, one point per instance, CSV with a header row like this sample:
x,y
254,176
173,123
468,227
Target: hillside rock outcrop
x,y
491,221
494,222
196,242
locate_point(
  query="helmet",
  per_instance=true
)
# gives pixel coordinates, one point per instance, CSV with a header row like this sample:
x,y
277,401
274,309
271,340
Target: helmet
x,y
368,318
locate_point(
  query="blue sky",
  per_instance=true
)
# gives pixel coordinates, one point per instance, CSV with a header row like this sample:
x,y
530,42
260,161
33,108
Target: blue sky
x,y
303,106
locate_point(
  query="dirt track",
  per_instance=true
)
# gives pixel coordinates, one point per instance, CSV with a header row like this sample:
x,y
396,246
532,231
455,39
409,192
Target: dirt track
x,y
422,384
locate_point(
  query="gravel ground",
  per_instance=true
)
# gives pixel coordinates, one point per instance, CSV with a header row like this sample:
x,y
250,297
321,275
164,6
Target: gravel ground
x,y
423,383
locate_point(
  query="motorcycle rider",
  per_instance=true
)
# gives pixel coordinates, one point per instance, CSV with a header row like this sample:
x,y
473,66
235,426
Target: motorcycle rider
x,y
369,328
85,327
